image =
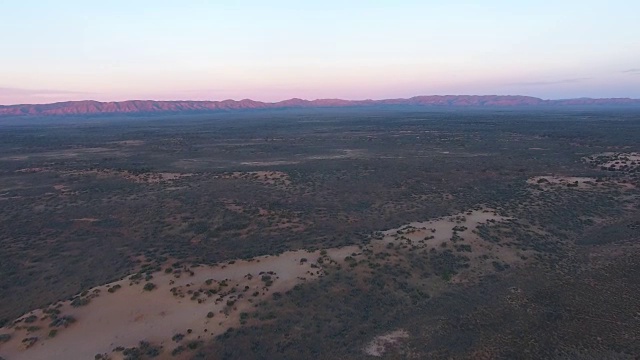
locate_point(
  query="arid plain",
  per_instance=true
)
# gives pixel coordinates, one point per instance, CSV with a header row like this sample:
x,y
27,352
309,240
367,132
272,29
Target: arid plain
x,y
334,233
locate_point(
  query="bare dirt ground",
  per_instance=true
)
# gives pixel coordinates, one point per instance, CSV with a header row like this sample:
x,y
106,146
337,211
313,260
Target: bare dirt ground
x,y
197,302
342,154
179,305
570,181
379,345
456,232
269,163
264,177
176,306
128,142
616,161
140,178
577,182
63,154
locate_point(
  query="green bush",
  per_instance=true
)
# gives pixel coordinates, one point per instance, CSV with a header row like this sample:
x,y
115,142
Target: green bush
x,y
149,286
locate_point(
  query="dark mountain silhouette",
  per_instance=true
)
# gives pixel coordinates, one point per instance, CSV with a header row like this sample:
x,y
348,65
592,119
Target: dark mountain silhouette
x,y
89,107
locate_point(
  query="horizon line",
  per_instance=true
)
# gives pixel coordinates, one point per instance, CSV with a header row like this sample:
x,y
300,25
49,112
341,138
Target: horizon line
x,y
318,99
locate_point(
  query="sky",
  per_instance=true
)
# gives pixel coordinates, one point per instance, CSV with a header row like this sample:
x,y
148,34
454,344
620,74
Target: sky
x,y
59,50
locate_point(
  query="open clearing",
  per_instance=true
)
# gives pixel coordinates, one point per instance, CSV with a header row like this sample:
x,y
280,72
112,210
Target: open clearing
x,y
199,302
472,234
379,345
208,300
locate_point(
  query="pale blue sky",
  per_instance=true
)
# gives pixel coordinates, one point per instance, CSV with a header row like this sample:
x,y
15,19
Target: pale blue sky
x,y
272,50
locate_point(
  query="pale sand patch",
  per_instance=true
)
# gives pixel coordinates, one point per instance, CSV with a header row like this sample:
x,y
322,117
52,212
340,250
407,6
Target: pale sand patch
x,y
15,158
153,177
428,235
265,177
631,156
130,314
147,177
269,163
87,219
128,142
34,170
618,161
61,154
142,178
345,154
442,228
380,344
580,182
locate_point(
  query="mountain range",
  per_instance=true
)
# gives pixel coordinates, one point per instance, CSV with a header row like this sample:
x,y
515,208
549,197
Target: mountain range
x,y
90,107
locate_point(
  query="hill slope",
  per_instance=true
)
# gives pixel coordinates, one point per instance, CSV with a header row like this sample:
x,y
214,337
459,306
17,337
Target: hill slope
x,y
151,106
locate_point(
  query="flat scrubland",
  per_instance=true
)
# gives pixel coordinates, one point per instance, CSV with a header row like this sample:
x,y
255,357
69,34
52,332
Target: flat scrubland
x,y
195,303
322,234
170,309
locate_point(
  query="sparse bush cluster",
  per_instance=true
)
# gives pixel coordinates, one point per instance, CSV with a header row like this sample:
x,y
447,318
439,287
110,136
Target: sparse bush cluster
x,y
149,286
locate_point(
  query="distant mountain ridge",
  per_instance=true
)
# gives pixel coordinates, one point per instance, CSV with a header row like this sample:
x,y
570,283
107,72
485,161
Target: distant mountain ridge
x,y
88,107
